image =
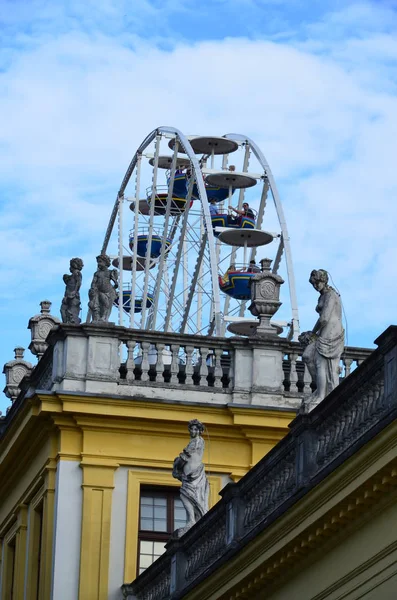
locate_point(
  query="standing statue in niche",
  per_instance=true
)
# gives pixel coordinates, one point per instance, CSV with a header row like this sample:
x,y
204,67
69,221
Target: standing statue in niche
x,y
325,343
70,307
189,469
102,292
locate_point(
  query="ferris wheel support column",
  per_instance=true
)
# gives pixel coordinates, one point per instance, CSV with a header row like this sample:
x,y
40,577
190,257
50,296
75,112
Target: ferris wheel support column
x,y
165,231
150,236
135,242
284,230
120,234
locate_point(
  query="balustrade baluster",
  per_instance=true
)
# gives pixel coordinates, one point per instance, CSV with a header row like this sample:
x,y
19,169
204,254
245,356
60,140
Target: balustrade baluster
x,y
230,385
130,364
174,363
293,376
145,361
189,366
160,362
218,369
203,366
347,363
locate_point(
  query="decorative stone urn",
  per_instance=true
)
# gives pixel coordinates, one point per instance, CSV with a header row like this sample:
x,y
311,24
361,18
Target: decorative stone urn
x,y
40,327
265,294
15,371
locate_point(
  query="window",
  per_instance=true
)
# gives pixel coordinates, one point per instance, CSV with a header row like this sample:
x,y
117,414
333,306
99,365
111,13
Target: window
x,y
161,512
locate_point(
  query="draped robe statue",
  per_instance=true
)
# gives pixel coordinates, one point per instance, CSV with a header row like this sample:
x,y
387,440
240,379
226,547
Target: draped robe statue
x,y
189,469
325,343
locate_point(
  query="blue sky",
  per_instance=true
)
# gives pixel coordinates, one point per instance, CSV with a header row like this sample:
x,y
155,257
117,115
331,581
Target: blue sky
x,y
313,83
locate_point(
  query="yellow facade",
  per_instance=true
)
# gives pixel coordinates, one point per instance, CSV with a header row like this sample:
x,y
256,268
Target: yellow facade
x,y
104,435
339,542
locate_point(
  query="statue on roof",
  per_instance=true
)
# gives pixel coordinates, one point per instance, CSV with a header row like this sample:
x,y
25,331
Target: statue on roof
x,y
189,469
102,293
324,345
71,305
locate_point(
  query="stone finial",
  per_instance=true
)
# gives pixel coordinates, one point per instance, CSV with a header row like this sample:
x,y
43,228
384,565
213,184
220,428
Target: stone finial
x,y
265,264
71,305
45,307
102,293
189,469
265,295
15,370
40,327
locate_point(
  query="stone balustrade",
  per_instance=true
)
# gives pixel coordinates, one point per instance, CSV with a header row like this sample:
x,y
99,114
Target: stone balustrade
x,y
107,359
361,406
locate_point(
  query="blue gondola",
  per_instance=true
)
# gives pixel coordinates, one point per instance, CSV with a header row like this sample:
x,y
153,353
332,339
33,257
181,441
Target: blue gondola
x,y
224,220
180,185
178,205
157,242
213,192
236,284
138,301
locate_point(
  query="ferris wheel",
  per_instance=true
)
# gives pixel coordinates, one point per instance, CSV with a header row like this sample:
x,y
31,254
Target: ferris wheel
x,y
185,230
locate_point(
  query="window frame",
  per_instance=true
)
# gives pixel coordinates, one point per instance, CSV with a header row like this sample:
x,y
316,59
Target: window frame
x,y
147,535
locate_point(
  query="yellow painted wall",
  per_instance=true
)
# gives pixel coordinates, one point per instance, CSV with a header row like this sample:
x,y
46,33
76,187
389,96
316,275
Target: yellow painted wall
x,y
103,434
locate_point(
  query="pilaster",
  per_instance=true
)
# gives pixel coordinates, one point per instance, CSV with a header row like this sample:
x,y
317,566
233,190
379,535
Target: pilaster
x,y
98,484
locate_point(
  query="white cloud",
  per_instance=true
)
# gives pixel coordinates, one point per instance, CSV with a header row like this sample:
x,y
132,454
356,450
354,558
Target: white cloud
x,y
75,107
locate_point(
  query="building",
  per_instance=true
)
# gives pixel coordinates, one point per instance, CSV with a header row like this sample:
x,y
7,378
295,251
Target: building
x,y
314,519
90,436
92,433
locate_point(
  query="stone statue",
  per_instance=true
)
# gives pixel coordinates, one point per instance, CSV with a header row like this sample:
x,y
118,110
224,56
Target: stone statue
x,y
189,469
324,345
70,307
102,292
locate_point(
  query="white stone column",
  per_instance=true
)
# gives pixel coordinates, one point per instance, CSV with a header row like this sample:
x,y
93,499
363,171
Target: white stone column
x,y
67,531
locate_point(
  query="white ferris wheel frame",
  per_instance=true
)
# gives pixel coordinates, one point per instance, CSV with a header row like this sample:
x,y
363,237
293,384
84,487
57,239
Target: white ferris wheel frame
x,y
207,237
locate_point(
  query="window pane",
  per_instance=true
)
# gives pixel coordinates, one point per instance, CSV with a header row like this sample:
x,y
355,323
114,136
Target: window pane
x,y
180,517
160,501
147,524
147,547
160,512
148,553
159,548
160,525
147,500
145,560
147,511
